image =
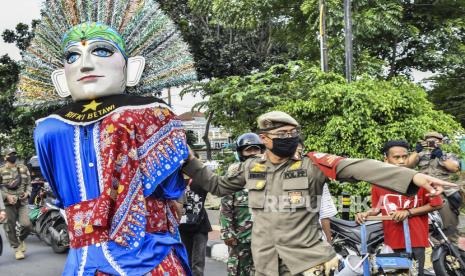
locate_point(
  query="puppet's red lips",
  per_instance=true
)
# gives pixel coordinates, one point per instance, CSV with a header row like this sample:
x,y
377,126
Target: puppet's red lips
x,y
89,77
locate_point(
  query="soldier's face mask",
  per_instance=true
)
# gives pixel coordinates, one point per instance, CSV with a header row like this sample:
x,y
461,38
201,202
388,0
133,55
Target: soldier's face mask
x,y
11,158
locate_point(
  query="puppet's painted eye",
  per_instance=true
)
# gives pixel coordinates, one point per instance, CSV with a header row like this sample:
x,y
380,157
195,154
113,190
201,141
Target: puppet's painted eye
x,y
72,57
102,52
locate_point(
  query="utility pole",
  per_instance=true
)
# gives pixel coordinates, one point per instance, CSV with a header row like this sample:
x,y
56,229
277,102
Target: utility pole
x,y
348,39
323,47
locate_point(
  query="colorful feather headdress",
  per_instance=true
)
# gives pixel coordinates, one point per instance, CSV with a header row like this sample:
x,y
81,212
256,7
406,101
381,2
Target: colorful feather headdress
x,y
147,32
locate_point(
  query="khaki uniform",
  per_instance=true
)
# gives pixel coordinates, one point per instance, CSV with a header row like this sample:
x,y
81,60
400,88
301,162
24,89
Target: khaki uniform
x,y
19,210
285,200
435,167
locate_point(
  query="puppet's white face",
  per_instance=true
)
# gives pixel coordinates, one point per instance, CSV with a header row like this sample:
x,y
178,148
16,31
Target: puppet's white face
x,y
93,69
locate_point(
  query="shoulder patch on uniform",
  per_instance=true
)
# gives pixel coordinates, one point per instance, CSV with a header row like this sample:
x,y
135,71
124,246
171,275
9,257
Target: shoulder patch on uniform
x,y
327,163
233,169
295,166
258,168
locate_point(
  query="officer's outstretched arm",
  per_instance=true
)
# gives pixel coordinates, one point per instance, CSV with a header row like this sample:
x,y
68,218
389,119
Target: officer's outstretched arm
x,y
399,179
381,174
203,177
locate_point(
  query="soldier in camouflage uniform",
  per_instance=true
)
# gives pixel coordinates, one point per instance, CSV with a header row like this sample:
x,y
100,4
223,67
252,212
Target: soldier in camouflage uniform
x,y
235,216
16,188
433,161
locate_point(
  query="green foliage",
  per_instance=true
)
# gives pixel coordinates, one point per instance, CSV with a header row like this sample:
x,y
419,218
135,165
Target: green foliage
x,y
226,159
448,93
353,119
396,35
21,36
221,50
16,123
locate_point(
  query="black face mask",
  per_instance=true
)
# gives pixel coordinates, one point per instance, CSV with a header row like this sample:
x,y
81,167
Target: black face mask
x,y
285,147
12,159
243,158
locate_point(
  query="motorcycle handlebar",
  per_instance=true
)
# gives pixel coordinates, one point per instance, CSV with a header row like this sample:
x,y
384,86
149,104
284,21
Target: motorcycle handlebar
x,y
378,218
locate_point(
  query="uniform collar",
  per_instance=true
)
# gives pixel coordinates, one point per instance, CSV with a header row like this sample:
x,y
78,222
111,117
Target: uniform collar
x,y
264,158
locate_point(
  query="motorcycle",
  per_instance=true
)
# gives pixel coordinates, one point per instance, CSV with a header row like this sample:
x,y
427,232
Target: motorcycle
x,y
58,229
447,258
347,237
367,241
48,220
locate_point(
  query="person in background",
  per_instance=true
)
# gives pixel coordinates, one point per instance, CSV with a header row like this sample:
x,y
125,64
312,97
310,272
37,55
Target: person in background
x,y
194,227
400,207
432,160
16,188
235,217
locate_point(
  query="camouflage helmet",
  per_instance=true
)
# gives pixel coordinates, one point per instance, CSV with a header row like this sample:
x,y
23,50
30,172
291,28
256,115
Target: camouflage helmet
x,y
9,151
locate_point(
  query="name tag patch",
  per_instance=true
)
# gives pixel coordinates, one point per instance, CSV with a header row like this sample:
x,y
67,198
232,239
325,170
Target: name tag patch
x,y
295,174
257,175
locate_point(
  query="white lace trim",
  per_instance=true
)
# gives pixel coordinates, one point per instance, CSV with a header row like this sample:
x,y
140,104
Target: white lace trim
x,y
78,163
83,261
98,157
110,259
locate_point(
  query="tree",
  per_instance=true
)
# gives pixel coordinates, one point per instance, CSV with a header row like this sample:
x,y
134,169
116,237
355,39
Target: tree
x,y
17,123
353,119
21,36
388,34
219,50
448,93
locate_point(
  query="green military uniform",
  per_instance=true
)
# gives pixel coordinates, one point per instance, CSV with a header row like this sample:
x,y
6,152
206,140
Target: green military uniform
x,y
236,222
284,199
19,210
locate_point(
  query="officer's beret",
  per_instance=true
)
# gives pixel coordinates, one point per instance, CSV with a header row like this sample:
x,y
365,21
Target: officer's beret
x,y
434,134
275,119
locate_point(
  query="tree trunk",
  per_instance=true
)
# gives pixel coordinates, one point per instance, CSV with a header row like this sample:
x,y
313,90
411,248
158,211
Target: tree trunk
x,y
205,137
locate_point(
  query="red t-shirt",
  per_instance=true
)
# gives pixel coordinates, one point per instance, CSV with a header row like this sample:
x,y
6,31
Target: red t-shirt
x,y
389,201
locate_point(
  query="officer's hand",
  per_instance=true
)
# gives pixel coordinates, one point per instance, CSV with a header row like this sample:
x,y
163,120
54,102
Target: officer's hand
x,y
400,215
230,242
418,147
433,185
11,199
361,217
24,195
2,216
436,153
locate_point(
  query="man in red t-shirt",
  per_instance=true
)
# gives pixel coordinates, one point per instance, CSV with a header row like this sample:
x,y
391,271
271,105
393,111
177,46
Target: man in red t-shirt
x,y
416,208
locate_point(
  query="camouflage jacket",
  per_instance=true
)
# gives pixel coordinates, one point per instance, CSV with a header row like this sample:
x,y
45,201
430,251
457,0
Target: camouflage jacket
x,y
8,174
235,217
435,167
